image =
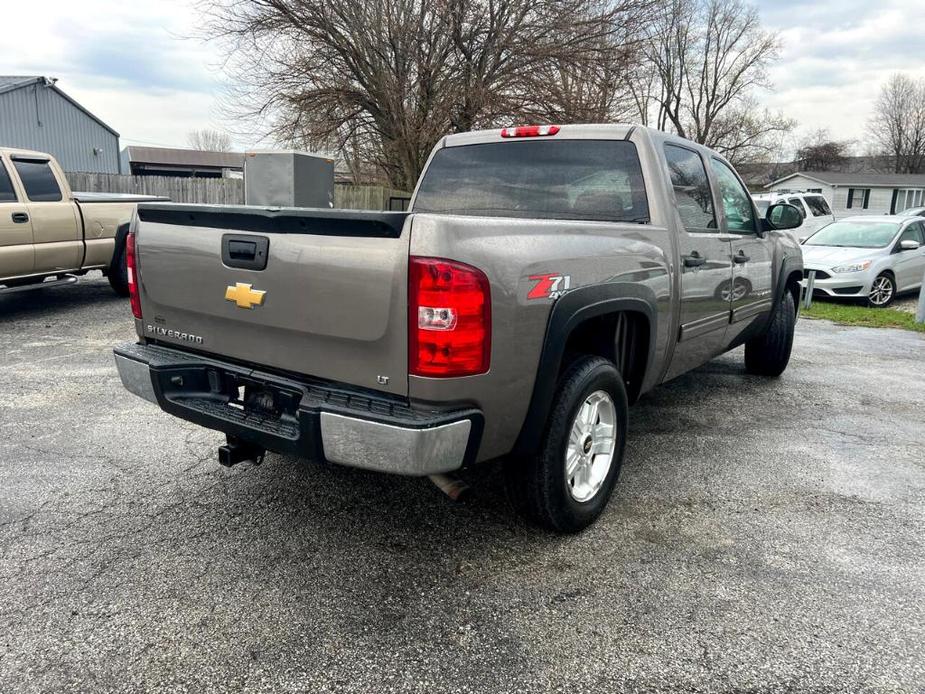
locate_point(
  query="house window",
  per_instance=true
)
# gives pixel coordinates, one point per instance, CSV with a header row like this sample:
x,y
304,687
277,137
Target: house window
x,y
909,197
858,197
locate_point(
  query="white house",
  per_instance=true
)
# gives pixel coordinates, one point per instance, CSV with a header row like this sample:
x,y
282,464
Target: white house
x,y
858,193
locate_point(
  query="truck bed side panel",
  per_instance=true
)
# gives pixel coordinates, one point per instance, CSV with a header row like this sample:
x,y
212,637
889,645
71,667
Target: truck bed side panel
x,y
511,251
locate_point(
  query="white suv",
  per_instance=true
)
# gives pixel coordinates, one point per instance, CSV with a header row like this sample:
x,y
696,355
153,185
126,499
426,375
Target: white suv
x,y
815,209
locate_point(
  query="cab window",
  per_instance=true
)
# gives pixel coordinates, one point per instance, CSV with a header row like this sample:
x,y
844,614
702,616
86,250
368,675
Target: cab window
x,y
691,189
737,203
38,180
7,194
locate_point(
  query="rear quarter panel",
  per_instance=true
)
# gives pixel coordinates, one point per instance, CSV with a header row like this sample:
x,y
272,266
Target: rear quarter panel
x,y
101,220
510,252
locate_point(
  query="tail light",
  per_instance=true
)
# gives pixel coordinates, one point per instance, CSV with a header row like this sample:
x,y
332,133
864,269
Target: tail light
x,y
530,131
131,264
449,318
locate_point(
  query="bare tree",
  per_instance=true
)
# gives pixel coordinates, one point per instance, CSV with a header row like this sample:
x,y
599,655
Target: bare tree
x,y
385,79
820,152
209,140
709,58
898,123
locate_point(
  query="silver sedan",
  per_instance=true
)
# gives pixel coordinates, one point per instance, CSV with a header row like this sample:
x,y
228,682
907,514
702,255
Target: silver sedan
x,y
872,258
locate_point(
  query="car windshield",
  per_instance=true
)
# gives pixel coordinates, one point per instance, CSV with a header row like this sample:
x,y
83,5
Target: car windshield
x,y
860,234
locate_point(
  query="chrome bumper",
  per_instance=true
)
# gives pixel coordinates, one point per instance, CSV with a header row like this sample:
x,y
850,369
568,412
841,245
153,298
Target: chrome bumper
x,y
414,448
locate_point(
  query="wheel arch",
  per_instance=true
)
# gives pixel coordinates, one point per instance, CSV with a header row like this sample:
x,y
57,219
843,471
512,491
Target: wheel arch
x,y
576,322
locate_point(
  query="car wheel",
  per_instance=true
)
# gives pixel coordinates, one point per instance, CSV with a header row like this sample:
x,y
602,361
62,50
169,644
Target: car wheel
x,y
769,354
118,272
882,291
567,484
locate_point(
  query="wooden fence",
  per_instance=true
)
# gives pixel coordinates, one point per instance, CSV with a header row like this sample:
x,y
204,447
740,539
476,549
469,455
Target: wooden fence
x,y
226,191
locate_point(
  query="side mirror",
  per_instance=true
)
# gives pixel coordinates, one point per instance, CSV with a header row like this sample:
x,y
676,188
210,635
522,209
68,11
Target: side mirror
x,y
909,245
783,216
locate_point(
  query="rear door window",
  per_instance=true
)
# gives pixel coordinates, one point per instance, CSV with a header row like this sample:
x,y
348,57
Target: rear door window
x,y
38,180
691,189
817,205
599,180
7,193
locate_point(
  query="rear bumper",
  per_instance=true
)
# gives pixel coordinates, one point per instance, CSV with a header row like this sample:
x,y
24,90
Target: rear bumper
x,y
313,419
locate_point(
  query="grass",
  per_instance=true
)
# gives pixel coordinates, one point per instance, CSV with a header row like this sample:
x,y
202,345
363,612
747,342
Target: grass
x,y
850,314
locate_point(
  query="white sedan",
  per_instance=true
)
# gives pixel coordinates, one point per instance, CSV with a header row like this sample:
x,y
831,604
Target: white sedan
x,y
871,258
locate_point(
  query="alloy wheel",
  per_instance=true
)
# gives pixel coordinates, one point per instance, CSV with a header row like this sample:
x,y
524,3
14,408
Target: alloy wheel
x,y
881,291
591,445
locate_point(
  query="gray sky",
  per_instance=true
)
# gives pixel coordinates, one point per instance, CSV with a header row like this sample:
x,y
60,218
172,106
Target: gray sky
x,y
130,64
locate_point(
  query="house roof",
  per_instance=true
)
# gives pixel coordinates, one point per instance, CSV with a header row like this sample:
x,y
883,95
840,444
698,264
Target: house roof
x,y
187,158
866,180
9,83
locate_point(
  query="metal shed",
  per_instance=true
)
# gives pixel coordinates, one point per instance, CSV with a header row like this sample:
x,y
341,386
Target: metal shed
x,y
35,114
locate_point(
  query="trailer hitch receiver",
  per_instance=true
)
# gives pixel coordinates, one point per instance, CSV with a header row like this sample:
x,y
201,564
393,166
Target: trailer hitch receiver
x,y
237,451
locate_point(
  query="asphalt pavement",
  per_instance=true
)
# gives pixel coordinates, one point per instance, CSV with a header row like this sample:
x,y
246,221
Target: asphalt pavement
x,y
765,536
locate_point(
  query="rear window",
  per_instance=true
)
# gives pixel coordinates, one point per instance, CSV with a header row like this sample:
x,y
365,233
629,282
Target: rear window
x,y
7,194
597,180
817,205
38,180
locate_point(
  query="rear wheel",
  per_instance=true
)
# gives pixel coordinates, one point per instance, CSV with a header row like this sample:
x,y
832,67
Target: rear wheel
x,y
118,272
769,354
567,484
882,291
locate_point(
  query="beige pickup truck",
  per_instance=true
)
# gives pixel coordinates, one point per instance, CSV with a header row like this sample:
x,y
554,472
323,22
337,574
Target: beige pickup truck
x,y
50,235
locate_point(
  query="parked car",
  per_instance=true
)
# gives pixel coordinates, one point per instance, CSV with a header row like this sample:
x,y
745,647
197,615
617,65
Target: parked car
x,y
50,235
913,212
872,258
813,206
542,280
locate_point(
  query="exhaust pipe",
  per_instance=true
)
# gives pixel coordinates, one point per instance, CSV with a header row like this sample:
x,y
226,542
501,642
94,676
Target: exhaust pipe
x,y
237,451
452,486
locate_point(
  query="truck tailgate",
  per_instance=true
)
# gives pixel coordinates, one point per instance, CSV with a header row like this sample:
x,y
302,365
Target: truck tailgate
x,y
334,288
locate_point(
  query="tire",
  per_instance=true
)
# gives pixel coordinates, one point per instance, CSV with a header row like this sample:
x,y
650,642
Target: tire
x,y
769,354
539,485
118,272
882,291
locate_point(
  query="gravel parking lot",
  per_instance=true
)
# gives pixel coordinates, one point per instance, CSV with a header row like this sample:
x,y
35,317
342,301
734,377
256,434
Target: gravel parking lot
x,y
766,536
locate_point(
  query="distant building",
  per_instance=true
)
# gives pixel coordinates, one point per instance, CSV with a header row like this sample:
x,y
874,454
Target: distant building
x,y
858,193
186,163
36,114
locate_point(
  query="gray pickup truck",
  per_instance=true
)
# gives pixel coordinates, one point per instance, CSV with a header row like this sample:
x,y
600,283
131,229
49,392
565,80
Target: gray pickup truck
x,y
543,279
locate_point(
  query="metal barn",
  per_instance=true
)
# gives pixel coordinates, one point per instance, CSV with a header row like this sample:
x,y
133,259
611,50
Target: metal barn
x,y
36,114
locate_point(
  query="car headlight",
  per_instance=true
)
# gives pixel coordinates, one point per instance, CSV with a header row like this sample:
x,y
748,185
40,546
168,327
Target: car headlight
x,y
854,267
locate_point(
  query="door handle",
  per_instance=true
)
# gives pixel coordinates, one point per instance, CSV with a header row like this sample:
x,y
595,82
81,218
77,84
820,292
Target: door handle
x,y
694,260
740,257
19,217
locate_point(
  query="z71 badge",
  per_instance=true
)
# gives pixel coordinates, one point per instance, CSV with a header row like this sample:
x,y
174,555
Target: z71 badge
x,y
550,286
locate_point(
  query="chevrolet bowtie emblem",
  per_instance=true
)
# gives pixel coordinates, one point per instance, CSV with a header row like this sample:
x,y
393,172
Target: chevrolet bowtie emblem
x,y
244,296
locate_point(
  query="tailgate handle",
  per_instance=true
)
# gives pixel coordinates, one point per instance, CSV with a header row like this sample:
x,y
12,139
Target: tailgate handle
x,y
245,251
242,250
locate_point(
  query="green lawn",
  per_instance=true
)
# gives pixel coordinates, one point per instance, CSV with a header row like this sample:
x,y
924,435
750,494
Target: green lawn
x,y
850,314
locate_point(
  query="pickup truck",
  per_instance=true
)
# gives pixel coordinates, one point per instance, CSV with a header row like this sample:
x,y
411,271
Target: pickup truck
x,y
49,235
542,280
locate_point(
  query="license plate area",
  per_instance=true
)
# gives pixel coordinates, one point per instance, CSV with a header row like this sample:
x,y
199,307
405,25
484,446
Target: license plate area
x,y
218,390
